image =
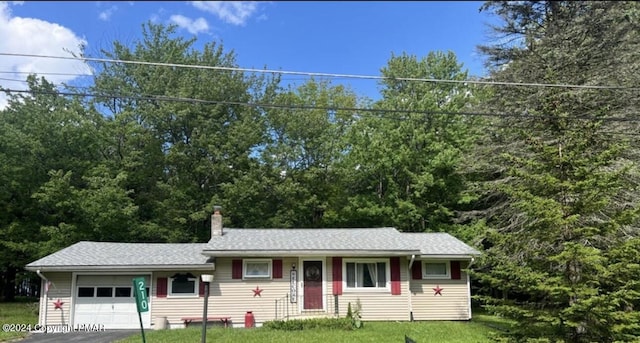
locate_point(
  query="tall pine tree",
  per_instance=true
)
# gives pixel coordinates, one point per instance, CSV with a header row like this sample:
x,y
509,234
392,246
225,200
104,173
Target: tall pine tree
x,y
563,195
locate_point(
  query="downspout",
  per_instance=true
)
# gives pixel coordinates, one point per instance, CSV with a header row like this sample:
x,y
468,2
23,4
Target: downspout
x,y
469,286
413,258
46,294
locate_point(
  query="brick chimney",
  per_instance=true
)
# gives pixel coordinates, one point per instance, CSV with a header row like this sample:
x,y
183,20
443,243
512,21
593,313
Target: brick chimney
x,y
216,222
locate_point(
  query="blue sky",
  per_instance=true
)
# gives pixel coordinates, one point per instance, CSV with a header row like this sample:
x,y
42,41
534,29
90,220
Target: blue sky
x,y
323,36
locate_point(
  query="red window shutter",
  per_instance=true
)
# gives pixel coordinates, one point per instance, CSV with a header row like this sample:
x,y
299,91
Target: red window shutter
x,y
236,269
337,276
396,285
277,269
200,288
416,270
161,291
455,270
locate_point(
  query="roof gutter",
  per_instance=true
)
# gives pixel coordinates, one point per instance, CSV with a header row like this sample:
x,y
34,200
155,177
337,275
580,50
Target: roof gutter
x,y
295,253
447,257
120,268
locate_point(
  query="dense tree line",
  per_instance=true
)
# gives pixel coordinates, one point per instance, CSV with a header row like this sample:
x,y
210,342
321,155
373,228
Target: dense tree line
x,y
542,179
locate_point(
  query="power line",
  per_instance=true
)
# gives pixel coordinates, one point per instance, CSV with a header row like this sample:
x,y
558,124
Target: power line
x,y
12,80
85,74
311,107
328,75
43,73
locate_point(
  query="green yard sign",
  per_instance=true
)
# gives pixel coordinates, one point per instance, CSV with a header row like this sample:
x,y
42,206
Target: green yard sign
x,y
142,303
139,288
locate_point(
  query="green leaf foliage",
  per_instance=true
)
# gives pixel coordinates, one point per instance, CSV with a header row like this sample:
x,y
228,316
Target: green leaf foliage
x,y
403,169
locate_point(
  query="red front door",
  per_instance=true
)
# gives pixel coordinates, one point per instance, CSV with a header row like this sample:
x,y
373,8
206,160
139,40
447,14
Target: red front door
x,y
312,271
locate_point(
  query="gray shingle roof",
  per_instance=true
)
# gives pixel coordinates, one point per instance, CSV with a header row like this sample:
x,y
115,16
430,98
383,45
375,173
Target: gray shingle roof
x,y
108,254
358,241
439,243
350,240
381,239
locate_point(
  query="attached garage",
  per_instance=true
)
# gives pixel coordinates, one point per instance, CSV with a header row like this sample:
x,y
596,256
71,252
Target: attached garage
x,y
108,301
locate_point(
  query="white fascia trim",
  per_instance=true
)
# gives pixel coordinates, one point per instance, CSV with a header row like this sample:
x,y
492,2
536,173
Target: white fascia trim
x,y
296,253
121,268
445,257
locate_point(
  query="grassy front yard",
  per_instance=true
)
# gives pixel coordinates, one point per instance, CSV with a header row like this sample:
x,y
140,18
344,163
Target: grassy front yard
x,y
22,313
475,331
479,330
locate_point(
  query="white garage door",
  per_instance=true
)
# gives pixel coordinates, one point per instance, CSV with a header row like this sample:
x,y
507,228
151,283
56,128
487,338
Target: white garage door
x,y
108,301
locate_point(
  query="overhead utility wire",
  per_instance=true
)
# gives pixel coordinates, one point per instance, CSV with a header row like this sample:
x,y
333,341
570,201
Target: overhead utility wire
x,y
168,99
43,73
329,75
311,107
85,74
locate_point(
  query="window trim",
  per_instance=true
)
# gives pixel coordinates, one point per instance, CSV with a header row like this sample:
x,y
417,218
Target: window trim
x,y
196,288
269,274
445,276
385,289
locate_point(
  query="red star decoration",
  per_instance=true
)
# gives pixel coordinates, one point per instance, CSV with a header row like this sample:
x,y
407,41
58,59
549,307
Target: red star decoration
x,y
257,292
438,290
57,304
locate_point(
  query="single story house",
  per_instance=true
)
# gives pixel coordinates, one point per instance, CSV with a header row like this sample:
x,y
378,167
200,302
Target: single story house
x,y
272,273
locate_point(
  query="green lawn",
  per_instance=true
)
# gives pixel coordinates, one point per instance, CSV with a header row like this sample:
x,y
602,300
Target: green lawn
x,y
479,330
24,312
475,331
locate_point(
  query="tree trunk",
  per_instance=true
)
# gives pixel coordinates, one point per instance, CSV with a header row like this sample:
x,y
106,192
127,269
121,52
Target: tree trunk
x,y
9,278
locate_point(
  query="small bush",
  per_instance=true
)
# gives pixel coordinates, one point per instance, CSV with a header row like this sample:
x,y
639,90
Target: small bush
x,y
354,315
313,323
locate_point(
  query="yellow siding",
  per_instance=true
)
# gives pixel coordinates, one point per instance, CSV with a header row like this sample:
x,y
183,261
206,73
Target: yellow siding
x,y
60,289
452,305
376,305
228,297
233,298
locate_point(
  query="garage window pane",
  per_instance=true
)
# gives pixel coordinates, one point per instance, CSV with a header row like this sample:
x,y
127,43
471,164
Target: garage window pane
x,y
105,292
123,292
85,292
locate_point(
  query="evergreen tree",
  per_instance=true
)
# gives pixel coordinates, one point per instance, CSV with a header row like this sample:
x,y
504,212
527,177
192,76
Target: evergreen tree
x,y
562,196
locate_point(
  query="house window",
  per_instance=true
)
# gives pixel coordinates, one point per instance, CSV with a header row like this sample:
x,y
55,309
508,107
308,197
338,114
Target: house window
x,y
367,274
436,270
254,269
183,285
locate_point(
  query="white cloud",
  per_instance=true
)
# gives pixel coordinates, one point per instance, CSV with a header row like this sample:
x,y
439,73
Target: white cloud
x,y
193,26
36,37
232,12
106,14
